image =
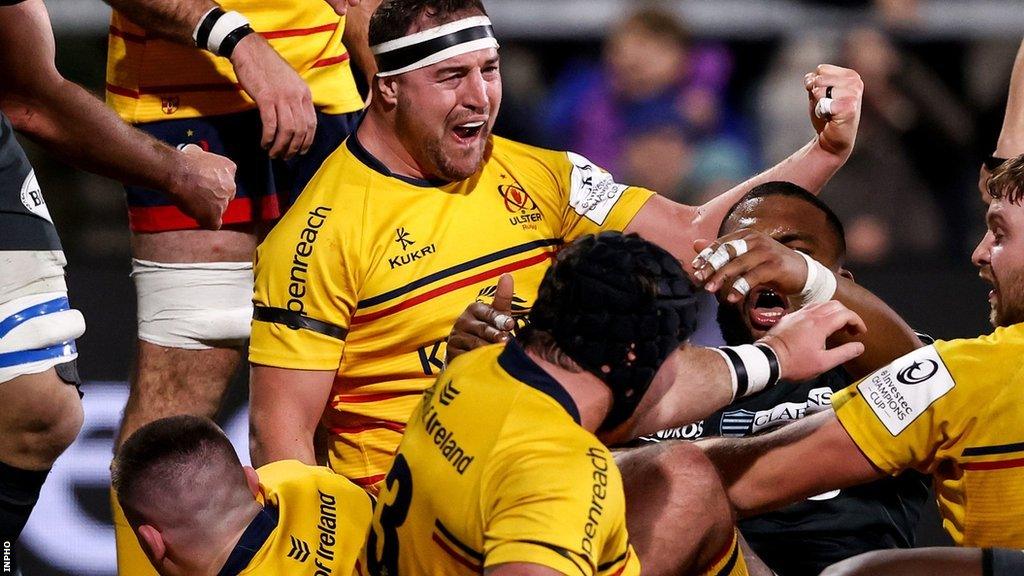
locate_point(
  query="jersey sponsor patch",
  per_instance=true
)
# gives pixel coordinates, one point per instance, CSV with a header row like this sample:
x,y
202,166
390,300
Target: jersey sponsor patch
x,y
901,391
32,197
594,191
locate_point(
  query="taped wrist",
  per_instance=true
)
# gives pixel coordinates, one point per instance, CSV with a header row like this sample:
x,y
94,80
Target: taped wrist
x,y
753,367
219,31
820,285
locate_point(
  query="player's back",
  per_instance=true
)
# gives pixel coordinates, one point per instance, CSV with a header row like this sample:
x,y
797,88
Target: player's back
x,y
494,468
314,522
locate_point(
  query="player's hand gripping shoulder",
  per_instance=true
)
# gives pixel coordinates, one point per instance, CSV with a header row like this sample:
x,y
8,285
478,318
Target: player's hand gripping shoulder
x,y
282,97
341,6
763,261
481,324
202,185
799,340
834,97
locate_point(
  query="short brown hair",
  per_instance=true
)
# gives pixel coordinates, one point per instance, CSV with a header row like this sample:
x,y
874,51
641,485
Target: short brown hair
x,y
661,22
394,18
1007,181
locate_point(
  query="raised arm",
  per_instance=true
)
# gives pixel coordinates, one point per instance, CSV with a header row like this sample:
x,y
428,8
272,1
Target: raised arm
x,y
285,406
284,101
357,32
676,226
71,123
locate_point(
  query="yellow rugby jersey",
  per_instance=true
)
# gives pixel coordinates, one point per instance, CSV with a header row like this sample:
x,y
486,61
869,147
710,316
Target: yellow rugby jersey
x,y
151,79
372,269
314,522
495,468
952,410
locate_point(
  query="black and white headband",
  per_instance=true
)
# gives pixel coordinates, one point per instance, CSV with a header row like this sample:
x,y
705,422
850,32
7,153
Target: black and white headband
x,y
434,45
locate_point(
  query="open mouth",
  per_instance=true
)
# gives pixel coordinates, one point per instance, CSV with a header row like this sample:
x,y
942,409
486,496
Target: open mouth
x,y
765,308
468,131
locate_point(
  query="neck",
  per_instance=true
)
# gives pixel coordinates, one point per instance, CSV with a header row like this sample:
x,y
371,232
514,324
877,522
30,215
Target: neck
x,y
208,552
592,397
379,137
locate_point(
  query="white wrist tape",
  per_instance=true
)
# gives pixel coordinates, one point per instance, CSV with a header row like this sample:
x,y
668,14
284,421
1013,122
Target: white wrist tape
x,y
753,368
820,285
823,109
227,24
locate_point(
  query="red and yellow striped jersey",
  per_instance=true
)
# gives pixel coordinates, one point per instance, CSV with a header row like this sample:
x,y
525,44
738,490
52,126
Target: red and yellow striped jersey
x,y
150,79
952,410
383,265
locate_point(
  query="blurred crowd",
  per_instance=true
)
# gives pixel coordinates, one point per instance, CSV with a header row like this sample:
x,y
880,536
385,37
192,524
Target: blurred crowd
x,y
662,107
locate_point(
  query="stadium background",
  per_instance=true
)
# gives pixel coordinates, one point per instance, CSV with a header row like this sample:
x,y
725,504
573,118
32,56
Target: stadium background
x,y
908,197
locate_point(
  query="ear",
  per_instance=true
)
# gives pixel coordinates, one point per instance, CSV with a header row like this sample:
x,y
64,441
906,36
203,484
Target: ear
x,y
846,274
152,543
388,89
252,478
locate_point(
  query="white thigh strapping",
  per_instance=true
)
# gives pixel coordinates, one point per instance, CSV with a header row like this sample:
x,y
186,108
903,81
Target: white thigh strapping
x,y
194,306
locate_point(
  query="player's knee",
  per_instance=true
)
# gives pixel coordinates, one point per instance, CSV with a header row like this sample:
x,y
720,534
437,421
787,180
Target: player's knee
x,y
194,306
46,433
694,482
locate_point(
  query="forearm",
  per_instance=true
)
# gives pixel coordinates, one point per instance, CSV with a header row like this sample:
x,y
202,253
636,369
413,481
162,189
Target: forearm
x,y
171,19
810,167
888,336
802,459
918,562
73,124
1011,137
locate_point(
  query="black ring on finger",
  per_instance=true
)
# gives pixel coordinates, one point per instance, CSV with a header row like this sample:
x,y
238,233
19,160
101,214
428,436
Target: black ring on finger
x,y
828,92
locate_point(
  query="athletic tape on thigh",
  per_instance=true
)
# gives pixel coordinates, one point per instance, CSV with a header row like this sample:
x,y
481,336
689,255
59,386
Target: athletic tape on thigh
x,y
193,306
37,332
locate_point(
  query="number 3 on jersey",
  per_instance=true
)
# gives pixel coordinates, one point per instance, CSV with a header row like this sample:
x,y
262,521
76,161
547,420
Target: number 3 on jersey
x,y
382,558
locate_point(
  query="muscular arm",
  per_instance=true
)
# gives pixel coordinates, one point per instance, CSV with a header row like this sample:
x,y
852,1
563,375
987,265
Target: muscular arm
x,y
169,19
805,458
284,410
1011,137
62,116
675,227
888,336
919,562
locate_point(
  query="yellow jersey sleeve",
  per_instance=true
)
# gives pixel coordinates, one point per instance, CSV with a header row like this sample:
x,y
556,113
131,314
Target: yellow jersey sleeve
x,y
305,287
908,413
592,201
560,508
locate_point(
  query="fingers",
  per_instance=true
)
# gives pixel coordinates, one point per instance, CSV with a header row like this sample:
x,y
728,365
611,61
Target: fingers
x,y
833,316
268,116
842,354
503,296
286,144
485,322
309,132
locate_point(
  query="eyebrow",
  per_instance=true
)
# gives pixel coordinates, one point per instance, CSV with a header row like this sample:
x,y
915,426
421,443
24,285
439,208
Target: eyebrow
x,y
995,218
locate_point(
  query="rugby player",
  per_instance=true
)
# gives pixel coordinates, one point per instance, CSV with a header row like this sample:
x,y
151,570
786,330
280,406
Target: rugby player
x,y
41,412
500,469
268,84
949,410
420,213
775,220
198,512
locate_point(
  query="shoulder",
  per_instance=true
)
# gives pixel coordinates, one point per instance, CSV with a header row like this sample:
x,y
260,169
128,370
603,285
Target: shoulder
x,y
288,479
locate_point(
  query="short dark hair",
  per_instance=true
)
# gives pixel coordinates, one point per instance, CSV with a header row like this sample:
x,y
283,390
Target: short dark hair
x,y
790,190
1007,181
393,18
660,22
158,449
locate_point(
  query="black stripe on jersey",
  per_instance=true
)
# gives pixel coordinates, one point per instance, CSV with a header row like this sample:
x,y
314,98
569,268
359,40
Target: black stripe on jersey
x,y
989,450
440,275
254,537
295,321
607,565
733,558
513,359
561,552
463,547
402,57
